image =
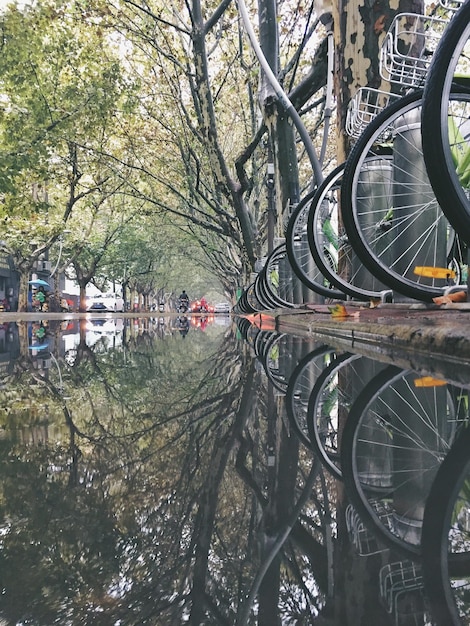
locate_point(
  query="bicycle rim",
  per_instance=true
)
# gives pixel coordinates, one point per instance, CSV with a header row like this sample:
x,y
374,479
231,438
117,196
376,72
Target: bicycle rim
x,y
330,246
445,123
390,211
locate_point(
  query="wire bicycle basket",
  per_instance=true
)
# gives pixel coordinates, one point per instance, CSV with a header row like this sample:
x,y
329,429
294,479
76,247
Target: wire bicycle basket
x,y
408,48
364,106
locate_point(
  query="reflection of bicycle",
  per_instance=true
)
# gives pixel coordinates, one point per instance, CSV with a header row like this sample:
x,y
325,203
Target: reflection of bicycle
x,y
446,530
299,388
330,400
445,124
397,433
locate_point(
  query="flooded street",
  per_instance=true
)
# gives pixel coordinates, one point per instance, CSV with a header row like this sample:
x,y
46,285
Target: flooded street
x,y
199,470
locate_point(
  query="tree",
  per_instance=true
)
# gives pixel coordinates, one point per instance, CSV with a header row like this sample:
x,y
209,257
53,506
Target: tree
x,y
359,30
55,114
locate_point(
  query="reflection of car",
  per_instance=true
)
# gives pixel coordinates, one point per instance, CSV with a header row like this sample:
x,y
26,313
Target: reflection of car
x,y
105,302
108,331
222,307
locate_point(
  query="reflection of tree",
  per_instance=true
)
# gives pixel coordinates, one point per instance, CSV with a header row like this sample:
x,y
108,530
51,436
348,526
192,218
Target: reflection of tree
x,y
139,426
136,495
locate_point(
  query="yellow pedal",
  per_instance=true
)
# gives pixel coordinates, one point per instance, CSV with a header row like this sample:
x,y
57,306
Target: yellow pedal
x,y
434,272
429,381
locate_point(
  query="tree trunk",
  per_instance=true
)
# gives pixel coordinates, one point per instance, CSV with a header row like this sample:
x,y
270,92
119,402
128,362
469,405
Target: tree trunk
x,y
359,30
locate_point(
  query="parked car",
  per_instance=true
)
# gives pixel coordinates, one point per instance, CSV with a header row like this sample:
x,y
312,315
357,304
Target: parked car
x,y
201,306
65,305
106,302
222,307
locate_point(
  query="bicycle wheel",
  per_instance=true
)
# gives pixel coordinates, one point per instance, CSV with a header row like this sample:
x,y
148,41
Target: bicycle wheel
x,y
446,529
273,364
299,387
263,294
445,123
300,256
398,431
281,282
330,246
390,212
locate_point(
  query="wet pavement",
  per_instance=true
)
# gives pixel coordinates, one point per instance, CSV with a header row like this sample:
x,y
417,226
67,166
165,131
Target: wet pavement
x,y
290,468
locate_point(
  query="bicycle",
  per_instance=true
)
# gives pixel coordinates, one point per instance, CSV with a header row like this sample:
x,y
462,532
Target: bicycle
x,y
390,212
300,257
445,124
446,532
330,245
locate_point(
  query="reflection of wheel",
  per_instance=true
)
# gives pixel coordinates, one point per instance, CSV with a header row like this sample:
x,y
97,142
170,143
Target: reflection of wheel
x,y
271,354
446,529
329,243
330,400
398,431
446,126
390,212
299,387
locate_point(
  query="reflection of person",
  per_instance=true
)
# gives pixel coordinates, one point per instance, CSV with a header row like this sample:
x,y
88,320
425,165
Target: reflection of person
x,y
183,325
39,332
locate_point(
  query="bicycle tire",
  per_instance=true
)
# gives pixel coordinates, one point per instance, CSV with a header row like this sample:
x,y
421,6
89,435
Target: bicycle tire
x,y
300,256
389,209
299,387
263,294
439,151
328,239
324,440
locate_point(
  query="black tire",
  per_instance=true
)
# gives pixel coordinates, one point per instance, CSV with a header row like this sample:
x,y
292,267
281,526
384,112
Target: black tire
x,y
452,194
300,386
281,282
300,256
323,428
440,527
330,246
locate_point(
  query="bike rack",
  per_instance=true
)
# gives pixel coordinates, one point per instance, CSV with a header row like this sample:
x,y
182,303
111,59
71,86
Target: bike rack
x,y
408,47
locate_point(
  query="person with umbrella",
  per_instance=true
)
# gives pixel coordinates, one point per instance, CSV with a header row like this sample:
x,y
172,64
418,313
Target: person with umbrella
x,y
41,297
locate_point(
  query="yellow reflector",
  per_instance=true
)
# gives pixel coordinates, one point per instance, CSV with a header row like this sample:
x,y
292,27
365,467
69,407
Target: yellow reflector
x,y
434,272
429,381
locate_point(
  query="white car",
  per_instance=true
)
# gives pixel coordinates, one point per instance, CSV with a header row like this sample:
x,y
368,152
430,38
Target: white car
x,y
222,307
109,302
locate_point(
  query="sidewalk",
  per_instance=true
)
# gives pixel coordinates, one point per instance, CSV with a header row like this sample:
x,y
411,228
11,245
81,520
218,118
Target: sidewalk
x,y
432,338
